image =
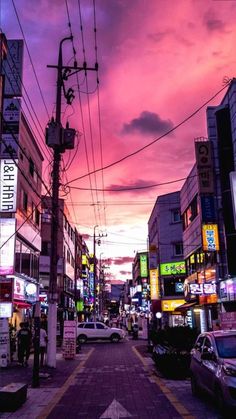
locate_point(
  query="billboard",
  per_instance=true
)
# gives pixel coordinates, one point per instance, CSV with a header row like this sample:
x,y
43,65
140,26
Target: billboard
x,y
7,245
12,68
8,185
173,268
154,284
143,266
210,237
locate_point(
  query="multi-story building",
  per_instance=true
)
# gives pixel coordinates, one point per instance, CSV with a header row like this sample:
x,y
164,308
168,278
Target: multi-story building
x,y
66,260
20,198
140,281
167,267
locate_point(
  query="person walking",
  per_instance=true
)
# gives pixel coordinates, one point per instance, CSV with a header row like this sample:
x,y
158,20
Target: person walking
x,y
42,345
24,337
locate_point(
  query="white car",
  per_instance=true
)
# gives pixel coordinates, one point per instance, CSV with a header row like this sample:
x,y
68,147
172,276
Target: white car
x,y
98,330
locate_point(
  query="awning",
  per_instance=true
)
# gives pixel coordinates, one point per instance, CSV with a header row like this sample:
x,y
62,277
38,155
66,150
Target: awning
x,y
186,306
22,304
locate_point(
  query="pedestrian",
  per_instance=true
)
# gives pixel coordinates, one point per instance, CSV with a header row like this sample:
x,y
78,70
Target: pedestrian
x,y
24,337
42,345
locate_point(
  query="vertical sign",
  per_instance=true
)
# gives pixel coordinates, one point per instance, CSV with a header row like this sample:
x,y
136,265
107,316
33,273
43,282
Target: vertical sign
x,y
143,266
233,193
154,286
12,68
8,185
210,237
204,166
10,128
7,245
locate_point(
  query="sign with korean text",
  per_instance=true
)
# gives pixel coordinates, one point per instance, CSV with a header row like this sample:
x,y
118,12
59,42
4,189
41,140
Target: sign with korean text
x,y
10,129
208,208
7,245
228,320
210,237
204,166
8,185
12,68
154,284
173,268
143,266
171,305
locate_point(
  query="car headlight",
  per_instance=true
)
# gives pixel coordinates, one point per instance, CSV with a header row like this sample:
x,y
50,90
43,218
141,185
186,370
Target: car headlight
x,y
229,370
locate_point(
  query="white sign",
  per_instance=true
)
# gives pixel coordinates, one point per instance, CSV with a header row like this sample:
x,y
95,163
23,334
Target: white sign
x,y
69,329
8,185
10,128
7,245
19,289
5,310
4,343
12,68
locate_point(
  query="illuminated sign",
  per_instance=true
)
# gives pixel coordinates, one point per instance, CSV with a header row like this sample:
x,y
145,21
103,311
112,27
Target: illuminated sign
x,y
154,285
5,310
19,289
8,185
172,268
7,245
143,266
196,289
171,305
210,237
84,259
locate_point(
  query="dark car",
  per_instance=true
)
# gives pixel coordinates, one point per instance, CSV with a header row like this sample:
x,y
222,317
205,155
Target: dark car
x,y
213,366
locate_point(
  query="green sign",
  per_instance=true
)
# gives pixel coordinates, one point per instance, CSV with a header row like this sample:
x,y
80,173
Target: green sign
x,y
80,305
143,266
172,268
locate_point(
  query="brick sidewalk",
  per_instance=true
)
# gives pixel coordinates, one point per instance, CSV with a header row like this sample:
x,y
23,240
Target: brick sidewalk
x,y
38,398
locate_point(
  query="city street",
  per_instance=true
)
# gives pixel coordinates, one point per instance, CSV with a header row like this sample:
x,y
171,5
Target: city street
x,y
111,381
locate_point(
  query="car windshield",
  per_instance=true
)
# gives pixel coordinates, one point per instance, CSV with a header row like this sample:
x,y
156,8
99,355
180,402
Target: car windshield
x,y
226,346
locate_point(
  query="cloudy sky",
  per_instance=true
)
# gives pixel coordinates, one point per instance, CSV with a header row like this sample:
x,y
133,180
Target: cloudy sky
x,y
159,61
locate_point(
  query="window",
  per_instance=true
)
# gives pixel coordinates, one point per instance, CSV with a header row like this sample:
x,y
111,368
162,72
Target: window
x,y
31,167
226,346
81,326
46,248
176,216
199,343
191,212
68,256
100,326
207,345
89,326
37,216
178,249
46,216
25,201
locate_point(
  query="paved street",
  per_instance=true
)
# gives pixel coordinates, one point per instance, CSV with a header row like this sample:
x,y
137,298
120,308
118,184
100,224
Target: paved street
x,y
108,381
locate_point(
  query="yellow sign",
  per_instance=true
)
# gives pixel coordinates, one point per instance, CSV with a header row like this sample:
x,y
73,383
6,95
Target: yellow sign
x,y
210,237
171,305
154,285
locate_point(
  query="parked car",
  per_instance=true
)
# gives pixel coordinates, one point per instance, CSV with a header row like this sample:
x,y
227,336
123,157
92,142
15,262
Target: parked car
x,y
98,330
213,366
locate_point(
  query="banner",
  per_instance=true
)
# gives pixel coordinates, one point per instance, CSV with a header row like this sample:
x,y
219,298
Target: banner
x,y
210,237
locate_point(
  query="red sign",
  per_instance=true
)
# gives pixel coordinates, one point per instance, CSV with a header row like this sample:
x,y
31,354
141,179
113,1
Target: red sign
x,y
6,289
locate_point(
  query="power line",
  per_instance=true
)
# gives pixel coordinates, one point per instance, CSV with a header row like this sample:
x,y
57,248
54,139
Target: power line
x,y
157,139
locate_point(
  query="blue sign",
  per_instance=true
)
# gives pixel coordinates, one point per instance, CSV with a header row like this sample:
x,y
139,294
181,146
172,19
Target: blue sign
x,y
208,208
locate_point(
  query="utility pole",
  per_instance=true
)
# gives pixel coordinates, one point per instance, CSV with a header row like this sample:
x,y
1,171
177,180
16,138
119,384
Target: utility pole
x,y
95,267
60,140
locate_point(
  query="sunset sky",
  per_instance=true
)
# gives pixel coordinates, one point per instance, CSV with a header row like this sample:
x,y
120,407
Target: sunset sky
x,y
159,61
